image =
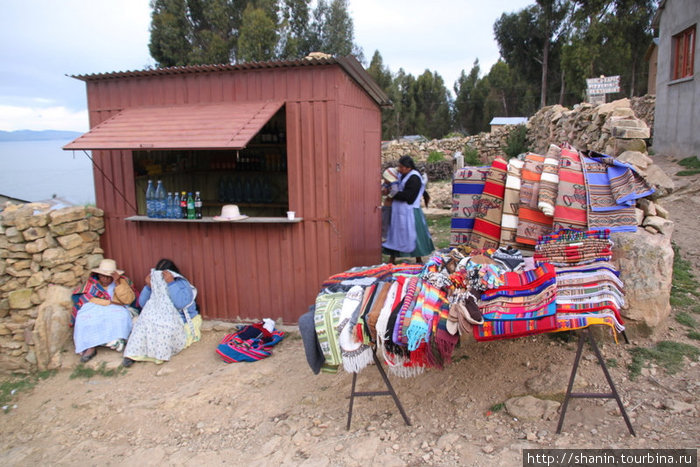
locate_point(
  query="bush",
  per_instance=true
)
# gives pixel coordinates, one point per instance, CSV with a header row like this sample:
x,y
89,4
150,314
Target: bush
x,y
436,156
517,141
471,156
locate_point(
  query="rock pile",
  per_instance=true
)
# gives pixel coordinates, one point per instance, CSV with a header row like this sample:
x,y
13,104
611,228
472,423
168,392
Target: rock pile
x,y
43,255
488,145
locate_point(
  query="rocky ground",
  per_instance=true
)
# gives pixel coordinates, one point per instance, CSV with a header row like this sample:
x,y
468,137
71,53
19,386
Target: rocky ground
x,y
198,410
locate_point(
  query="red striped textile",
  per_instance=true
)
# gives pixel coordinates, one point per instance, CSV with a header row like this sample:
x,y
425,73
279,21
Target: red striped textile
x,y
487,225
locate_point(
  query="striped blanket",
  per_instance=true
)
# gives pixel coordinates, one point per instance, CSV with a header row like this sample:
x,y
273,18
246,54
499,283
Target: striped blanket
x,y
549,181
467,186
511,203
531,221
570,207
487,224
604,212
492,330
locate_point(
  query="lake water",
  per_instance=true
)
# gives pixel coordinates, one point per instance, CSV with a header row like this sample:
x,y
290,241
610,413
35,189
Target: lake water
x,y
37,170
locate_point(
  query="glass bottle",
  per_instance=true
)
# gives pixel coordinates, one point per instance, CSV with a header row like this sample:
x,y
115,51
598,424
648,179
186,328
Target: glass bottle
x,y
169,206
197,206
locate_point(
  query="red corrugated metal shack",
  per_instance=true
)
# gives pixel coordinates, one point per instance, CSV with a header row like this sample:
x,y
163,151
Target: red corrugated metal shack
x,y
270,137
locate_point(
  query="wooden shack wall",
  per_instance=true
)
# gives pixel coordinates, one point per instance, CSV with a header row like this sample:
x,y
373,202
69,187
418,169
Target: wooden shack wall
x,y
251,271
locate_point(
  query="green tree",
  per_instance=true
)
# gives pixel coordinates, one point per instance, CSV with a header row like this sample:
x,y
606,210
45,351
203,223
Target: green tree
x,y
294,29
382,76
170,33
432,105
258,36
469,101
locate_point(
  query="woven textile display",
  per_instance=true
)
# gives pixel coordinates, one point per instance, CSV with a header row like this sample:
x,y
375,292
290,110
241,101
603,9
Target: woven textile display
x,y
487,224
531,221
571,205
467,186
511,203
589,290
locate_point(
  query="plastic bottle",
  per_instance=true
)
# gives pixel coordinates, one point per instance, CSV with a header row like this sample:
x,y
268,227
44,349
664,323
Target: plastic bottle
x,y
161,199
150,199
190,206
183,205
197,206
176,213
169,206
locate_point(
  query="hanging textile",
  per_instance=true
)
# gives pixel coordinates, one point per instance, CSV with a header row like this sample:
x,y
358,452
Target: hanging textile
x,y
549,181
487,224
531,221
467,186
570,208
511,203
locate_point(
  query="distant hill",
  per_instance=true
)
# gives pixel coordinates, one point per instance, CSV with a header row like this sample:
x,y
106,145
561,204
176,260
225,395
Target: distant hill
x,y
44,135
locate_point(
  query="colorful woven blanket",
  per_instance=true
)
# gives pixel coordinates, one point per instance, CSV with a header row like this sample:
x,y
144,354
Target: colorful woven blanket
x,y
492,330
531,221
603,210
511,203
571,205
487,224
326,320
467,186
549,181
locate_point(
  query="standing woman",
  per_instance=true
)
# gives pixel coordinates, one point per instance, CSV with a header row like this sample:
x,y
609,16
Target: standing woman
x,y
408,232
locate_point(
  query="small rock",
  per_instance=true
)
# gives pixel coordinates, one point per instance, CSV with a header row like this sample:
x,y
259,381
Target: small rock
x,y
488,449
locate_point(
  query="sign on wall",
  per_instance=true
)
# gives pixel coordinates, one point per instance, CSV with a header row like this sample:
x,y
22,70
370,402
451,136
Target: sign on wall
x,y
603,85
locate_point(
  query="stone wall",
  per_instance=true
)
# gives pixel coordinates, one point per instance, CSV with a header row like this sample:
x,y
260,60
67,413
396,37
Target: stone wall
x,y
44,254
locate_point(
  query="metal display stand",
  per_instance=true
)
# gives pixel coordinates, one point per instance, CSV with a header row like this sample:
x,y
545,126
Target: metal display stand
x,y
588,335
389,392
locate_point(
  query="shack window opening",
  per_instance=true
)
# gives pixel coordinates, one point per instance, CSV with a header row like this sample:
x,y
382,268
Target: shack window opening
x,y
684,53
253,178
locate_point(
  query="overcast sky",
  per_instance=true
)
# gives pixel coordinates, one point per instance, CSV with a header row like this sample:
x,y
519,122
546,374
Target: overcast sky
x,y
45,40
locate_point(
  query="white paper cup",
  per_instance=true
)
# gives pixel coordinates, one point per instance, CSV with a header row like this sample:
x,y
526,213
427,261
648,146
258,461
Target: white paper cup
x,y
290,215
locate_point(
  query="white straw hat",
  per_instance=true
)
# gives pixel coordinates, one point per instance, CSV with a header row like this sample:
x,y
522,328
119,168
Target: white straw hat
x,y
230,212
107,267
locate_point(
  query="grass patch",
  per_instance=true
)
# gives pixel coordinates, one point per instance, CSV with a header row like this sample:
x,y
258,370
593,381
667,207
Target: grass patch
x,y
691,162
471,156
497,407
436,156
611,363
684,287
692,165
666,354
694,335
440,227
686,319
82,371
18,383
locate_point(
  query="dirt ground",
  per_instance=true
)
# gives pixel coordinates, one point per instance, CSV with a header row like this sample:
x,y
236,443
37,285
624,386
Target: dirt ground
x,y
198,410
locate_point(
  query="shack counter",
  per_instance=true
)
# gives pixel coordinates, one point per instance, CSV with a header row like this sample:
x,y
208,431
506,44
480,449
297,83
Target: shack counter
x,y
270,137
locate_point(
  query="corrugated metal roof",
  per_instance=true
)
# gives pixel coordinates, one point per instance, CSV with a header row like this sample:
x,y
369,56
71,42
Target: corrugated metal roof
x,y
508,120
349,64
194,126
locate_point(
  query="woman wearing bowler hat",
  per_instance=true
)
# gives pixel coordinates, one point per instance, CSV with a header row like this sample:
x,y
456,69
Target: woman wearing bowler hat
x,y
408,232
102,310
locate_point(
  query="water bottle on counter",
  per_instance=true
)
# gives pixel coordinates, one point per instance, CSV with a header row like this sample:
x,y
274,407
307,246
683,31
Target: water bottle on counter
x,y
169,206
150,199
161,199
177,213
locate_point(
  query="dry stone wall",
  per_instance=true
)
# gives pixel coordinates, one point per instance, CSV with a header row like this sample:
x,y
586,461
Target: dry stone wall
x,y
44,254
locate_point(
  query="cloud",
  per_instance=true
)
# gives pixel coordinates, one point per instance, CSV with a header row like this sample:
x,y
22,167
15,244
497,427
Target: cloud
x,y
42,118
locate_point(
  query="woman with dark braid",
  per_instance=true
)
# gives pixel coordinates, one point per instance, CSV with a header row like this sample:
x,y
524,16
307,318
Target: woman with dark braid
x,y
408,234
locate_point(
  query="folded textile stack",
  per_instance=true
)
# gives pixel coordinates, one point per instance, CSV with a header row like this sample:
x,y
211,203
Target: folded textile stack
x,y
467,186
589,290
523,305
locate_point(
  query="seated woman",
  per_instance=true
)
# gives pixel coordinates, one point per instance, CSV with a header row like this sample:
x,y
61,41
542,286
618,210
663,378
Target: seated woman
x,y
169,320
103,310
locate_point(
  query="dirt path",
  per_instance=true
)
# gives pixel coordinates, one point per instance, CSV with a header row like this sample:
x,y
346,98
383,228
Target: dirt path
x,y
198,410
